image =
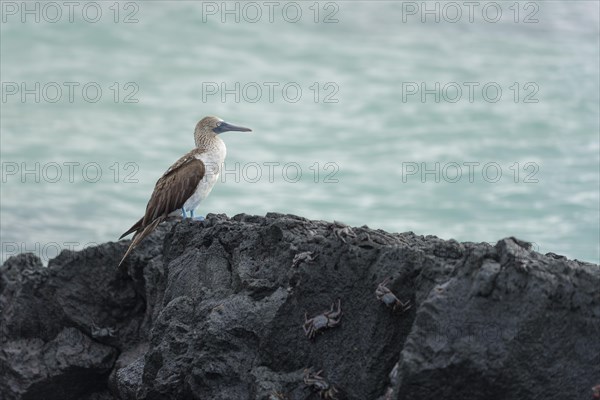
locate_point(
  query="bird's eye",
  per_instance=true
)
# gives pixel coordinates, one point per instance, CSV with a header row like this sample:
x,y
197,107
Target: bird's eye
x,y
219,123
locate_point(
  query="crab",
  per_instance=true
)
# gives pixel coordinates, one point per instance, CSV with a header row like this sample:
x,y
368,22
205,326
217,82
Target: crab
x,y
318,383
385,295
343,231
98,332
304,257
328,319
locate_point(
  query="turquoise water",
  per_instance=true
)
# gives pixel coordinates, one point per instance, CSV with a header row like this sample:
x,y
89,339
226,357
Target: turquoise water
x,y
78,171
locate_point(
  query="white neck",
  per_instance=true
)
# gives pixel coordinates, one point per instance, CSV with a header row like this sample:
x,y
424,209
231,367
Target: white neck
x,y
213,148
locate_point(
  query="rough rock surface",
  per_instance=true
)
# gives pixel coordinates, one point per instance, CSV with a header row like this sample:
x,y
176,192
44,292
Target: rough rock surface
x,y
215,310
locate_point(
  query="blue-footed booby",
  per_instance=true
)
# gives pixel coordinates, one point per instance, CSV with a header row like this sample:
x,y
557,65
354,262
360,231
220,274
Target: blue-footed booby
x,y
187,182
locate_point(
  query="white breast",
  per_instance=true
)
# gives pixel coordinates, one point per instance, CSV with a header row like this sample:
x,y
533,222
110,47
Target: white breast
x,y
213,160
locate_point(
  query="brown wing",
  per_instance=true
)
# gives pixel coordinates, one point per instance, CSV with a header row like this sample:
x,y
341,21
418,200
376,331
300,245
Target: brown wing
x,y
170,194
141,235
134,228
174,185
174,188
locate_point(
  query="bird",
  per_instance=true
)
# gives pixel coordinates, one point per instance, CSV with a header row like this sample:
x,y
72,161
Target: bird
x,y
187,182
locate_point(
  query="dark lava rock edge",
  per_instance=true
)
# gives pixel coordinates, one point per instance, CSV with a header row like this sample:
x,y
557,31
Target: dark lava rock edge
x,y
215,310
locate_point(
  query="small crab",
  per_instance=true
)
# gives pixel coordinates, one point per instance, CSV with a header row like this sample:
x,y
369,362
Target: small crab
x,y
98,332
385,295
317,382
343,231
328,319
304,257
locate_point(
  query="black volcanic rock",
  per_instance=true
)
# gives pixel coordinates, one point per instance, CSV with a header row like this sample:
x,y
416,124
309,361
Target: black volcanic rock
x,y
215,310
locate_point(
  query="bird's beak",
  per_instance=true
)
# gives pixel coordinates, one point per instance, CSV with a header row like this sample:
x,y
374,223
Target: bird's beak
x,y
225,127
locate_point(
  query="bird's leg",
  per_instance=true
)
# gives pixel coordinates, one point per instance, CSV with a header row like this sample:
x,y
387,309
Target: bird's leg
x,y
198,218
183,214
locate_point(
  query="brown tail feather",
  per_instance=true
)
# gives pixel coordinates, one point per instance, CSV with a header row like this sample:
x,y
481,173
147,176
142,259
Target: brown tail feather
x,y
134,227
139,236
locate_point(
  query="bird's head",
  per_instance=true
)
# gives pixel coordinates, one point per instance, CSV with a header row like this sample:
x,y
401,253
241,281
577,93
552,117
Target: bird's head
x,y
212,126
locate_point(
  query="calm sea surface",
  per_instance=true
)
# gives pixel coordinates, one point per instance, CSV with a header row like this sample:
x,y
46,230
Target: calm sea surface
x,y
467,130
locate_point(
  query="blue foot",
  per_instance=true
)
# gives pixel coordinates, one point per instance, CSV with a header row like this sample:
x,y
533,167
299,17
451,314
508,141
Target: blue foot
x,y
183,214
198,218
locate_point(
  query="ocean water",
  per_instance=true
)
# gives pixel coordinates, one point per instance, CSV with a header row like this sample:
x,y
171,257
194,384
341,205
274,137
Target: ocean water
x,y
480,125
